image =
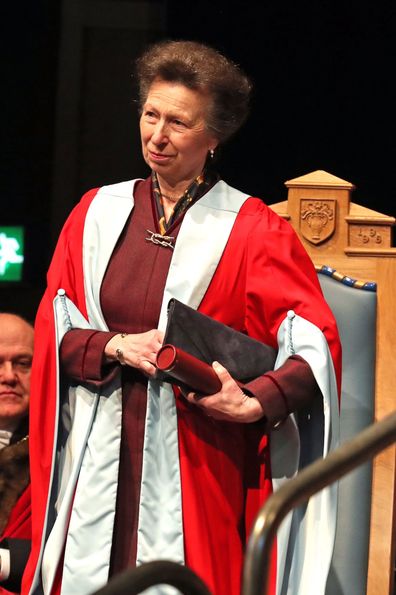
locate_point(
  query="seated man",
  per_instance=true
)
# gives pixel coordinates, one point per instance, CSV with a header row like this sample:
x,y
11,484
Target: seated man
x,y
16,352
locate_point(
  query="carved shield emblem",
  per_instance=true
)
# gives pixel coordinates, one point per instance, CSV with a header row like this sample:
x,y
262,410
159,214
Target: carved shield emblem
x,y
317,219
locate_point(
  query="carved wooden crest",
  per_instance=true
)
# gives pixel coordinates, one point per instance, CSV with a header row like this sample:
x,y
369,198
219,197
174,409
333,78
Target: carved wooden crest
x,y
317,219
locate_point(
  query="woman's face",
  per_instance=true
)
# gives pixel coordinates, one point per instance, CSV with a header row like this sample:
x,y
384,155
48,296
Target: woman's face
x,y
175,141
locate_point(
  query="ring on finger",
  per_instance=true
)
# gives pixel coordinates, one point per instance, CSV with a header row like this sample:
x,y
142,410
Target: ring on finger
x,y
120,356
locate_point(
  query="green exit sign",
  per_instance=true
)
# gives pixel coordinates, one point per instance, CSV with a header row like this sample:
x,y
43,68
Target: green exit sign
x,y
11,253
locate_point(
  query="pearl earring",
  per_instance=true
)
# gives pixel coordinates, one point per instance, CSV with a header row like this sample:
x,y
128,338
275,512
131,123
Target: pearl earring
x,y
211,153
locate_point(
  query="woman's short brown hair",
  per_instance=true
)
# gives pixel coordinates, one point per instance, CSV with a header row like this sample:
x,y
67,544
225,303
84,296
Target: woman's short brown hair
x,y
201,68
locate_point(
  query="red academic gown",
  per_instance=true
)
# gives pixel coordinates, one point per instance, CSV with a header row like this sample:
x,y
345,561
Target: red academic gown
x,y
19,523
263,272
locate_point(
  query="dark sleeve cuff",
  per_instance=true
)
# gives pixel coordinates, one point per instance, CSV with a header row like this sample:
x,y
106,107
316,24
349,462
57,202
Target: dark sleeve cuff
x,y
82,356
19,553
270,398
285,390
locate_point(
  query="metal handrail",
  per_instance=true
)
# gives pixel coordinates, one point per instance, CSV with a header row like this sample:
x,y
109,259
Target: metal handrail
x,y
309,481
159,572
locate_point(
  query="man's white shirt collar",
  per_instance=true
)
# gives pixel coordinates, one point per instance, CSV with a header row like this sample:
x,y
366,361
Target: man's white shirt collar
x,y
5,438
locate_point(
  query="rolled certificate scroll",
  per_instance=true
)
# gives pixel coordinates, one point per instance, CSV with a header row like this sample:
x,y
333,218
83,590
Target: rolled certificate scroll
x,y
187,371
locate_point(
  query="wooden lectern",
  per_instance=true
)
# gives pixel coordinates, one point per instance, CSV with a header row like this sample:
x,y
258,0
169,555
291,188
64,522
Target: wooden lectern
x,y
357,243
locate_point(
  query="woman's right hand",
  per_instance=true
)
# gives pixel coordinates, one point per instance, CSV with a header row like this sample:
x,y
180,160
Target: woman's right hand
x,y
137,350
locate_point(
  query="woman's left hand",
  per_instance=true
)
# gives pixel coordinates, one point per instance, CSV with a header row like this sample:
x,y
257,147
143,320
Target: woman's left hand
x,y
230,403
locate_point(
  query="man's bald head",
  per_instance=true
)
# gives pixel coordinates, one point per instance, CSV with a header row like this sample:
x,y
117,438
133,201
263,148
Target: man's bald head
x,y
16,353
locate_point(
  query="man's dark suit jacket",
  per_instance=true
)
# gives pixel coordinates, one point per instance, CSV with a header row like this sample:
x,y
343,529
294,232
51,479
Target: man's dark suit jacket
x,y
19,553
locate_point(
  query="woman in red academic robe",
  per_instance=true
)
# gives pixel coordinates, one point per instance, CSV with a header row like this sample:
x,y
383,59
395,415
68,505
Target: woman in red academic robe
x,y
128,469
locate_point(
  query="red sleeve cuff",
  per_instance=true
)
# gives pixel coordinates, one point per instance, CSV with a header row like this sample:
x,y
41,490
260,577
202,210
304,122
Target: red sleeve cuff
x,y
81,354
285,390
270,398
93,368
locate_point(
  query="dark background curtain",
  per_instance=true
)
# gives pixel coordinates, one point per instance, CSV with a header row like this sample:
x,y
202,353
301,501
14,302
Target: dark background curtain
x,y
324,99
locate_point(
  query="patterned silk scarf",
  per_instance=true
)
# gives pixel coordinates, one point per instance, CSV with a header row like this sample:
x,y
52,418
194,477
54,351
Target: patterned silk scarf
x,y
197,188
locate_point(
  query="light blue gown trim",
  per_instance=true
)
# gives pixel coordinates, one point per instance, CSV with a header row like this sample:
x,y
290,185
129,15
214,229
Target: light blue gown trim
x,y
76,412
208,223
89,440
306,536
